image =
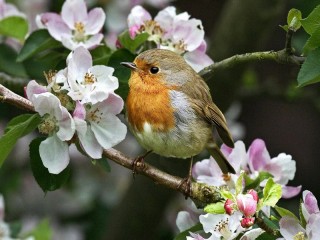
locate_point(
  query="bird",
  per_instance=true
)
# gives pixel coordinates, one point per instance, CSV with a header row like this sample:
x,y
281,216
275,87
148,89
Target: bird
x,y
170,110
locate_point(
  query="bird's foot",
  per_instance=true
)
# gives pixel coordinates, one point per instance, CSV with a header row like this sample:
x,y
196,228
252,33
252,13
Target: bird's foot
x,y
138,162
185,186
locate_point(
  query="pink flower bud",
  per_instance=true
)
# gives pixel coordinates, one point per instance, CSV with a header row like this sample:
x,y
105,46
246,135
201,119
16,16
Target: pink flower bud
x,y
254,194
229,206
247,222
246,204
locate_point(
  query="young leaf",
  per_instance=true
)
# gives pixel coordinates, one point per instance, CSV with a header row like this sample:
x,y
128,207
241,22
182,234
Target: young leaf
x,y
46,180
293,19
312,22
42,231
285,212
121,72
17,128
310,69
240,183
132,44
183,235
215,208
313,42
38,41
14,26
272,192
253,183
8,62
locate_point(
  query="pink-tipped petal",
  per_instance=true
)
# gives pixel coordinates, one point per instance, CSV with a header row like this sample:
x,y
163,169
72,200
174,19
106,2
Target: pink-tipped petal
x,y
289,192
258,155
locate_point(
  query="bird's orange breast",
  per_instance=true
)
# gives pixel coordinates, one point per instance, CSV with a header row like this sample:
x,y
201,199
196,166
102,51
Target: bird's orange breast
x,y
149,101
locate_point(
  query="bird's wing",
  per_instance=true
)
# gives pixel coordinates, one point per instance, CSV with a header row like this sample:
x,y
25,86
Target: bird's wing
x,y
201,101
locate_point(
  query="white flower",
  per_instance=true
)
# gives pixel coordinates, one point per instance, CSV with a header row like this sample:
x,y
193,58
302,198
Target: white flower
x,y
75,27
87,83
98,127
57,123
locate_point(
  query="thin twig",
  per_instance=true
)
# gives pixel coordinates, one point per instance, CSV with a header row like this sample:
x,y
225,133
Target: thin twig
x,y
281,56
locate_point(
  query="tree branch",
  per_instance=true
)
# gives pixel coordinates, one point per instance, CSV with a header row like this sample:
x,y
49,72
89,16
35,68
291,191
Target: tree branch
x,y
202,194
283,56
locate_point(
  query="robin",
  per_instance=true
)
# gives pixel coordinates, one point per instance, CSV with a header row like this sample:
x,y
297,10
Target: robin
x,y
170,110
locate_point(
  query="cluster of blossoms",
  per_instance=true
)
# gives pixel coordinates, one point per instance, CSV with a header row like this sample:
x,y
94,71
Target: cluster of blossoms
x,y
75,26
88,93
177,33
239,209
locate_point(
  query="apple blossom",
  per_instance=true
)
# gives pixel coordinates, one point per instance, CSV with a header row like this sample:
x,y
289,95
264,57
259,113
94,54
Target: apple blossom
x,y
75,26
176,32
97,125
229,206
222,225
246,204
253,161
57,123
247,222
84,82
292,228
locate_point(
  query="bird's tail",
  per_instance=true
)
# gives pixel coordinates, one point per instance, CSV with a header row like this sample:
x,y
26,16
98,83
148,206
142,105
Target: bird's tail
x,y
223,163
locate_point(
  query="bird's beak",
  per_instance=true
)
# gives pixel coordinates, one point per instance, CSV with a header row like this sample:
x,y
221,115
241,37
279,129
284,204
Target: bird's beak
x,y
130,65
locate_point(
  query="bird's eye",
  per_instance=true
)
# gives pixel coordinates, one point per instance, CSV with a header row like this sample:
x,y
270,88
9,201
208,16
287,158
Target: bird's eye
x,y
154,70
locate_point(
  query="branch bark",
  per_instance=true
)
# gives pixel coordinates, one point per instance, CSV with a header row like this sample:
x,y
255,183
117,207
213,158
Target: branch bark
x,y
200,193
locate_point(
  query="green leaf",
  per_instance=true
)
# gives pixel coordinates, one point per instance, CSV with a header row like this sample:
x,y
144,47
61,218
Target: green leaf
x,y
227,194
215,208
302,218
39,64
121,72
132,44
285,212
38,41
254,183
42,231
310,69
183,235
272,192
312,22
47,181
293,19
100,55
313,42
14,26
239,183
8,62
17,128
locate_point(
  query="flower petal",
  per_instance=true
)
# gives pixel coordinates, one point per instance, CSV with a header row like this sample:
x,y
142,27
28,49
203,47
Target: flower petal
x,y
310,202
34,88
138,16
113,104
58,30
74,11
289,192
289,227
110,131
258,155
312,228
66,125
252,234
87,139
184,221
54,154
96,19
93,41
